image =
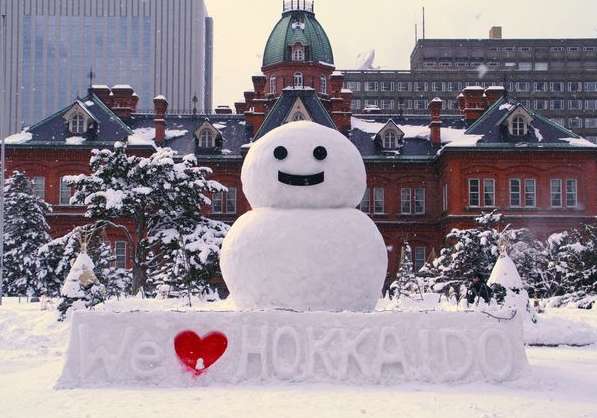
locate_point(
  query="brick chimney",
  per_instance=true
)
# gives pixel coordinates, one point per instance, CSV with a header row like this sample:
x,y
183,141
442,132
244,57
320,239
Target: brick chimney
x,y
474,103
461,102
160,105
336,83
435,107
124,101
103,93
259,82
493,94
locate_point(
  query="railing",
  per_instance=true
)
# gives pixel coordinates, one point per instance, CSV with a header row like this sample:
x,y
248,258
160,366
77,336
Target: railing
x,y
306,5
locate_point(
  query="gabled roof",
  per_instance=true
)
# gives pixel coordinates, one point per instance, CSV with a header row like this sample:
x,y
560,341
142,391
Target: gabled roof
x,y
283,106
390,124
490,129
53,131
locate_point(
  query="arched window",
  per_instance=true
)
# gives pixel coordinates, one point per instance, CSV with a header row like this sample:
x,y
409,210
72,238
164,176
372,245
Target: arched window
x,y
298,80
206,139
298,53
298,116
77,124
324,85
390,140
518,126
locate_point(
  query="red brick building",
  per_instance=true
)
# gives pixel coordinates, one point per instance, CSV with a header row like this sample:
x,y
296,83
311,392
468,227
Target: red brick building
x,y
426,175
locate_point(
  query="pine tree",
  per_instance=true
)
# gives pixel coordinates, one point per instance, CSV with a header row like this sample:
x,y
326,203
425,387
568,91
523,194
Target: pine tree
x,y
26,230
153,192
471,252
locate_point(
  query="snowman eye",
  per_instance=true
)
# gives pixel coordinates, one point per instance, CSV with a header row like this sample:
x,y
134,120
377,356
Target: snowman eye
x,y
280,153
320,153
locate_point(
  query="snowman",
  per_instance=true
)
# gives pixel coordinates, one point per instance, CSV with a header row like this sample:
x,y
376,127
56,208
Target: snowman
x,y
304,246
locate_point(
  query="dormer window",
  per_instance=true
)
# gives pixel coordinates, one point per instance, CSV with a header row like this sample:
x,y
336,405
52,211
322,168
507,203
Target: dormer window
x,y
298,52
390,139
518,122
206,138
298,80
77,124
297,117
518,126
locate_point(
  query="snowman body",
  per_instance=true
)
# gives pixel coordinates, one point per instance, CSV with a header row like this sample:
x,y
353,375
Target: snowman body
x,y
304,246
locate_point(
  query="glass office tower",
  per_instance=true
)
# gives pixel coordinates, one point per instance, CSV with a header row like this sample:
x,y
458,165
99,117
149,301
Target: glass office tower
x,y
49,48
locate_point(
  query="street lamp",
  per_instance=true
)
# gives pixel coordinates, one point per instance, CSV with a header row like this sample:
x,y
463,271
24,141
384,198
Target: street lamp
x,y
2,158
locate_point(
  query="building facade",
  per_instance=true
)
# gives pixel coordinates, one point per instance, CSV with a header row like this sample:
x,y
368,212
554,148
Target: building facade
x,y
51,46
557,77
426,173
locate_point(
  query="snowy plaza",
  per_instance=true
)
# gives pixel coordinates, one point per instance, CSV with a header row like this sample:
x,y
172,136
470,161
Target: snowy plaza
x,y
227,215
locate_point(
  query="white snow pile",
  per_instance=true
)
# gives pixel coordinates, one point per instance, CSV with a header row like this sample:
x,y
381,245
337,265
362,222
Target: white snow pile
x,y
74,140
579,142
19,138
146,136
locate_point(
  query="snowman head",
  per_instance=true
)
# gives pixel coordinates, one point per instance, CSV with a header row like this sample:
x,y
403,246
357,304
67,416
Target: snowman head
x,y
303,165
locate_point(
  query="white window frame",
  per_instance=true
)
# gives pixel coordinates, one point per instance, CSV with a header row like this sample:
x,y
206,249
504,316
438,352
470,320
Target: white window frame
x,y
39,186
532,194
371,86
555,193
572,193
419,198
217,209
518,126
491,195
231,200
390,139
120,254
272,85
471,193
512,193
298,53
78,123
207,139
379,197
406,201
64,189
323,84
298,80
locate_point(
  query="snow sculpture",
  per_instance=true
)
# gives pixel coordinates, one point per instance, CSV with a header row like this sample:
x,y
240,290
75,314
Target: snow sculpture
x,y
304,246
505,274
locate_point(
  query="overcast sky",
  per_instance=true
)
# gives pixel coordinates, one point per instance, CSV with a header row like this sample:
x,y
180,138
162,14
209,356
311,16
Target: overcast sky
x,y
356,26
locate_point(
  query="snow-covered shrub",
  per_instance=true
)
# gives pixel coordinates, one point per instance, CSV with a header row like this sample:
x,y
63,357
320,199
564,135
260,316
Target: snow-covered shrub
x,y
25,231
407,284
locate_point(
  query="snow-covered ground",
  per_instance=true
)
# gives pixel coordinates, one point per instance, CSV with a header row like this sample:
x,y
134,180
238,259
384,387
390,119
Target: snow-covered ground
x,y
562,383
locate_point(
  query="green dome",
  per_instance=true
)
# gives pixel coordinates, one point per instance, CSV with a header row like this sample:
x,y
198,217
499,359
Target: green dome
x,y
298,26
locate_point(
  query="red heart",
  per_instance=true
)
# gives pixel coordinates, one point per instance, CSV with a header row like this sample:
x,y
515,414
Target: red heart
x,y
197,353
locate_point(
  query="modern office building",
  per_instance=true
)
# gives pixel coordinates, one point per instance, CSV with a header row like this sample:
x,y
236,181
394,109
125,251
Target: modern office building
x,y
557,77
51,46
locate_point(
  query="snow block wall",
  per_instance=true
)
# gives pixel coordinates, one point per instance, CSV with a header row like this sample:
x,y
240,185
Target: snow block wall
x,y
176,349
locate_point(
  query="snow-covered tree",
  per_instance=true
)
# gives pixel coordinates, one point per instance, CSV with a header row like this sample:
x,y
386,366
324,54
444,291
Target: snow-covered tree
x,y
154,193
188,256
470,252
406,282
572,265
25,231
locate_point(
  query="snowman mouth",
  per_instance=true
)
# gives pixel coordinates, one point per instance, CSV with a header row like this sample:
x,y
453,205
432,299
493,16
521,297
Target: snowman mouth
x,y
297,180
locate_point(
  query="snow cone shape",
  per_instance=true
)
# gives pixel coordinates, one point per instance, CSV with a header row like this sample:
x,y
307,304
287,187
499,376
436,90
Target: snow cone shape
x,y
304,246
505,274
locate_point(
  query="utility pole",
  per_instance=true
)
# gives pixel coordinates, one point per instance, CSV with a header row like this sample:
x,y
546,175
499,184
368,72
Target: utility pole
x,y
2,156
